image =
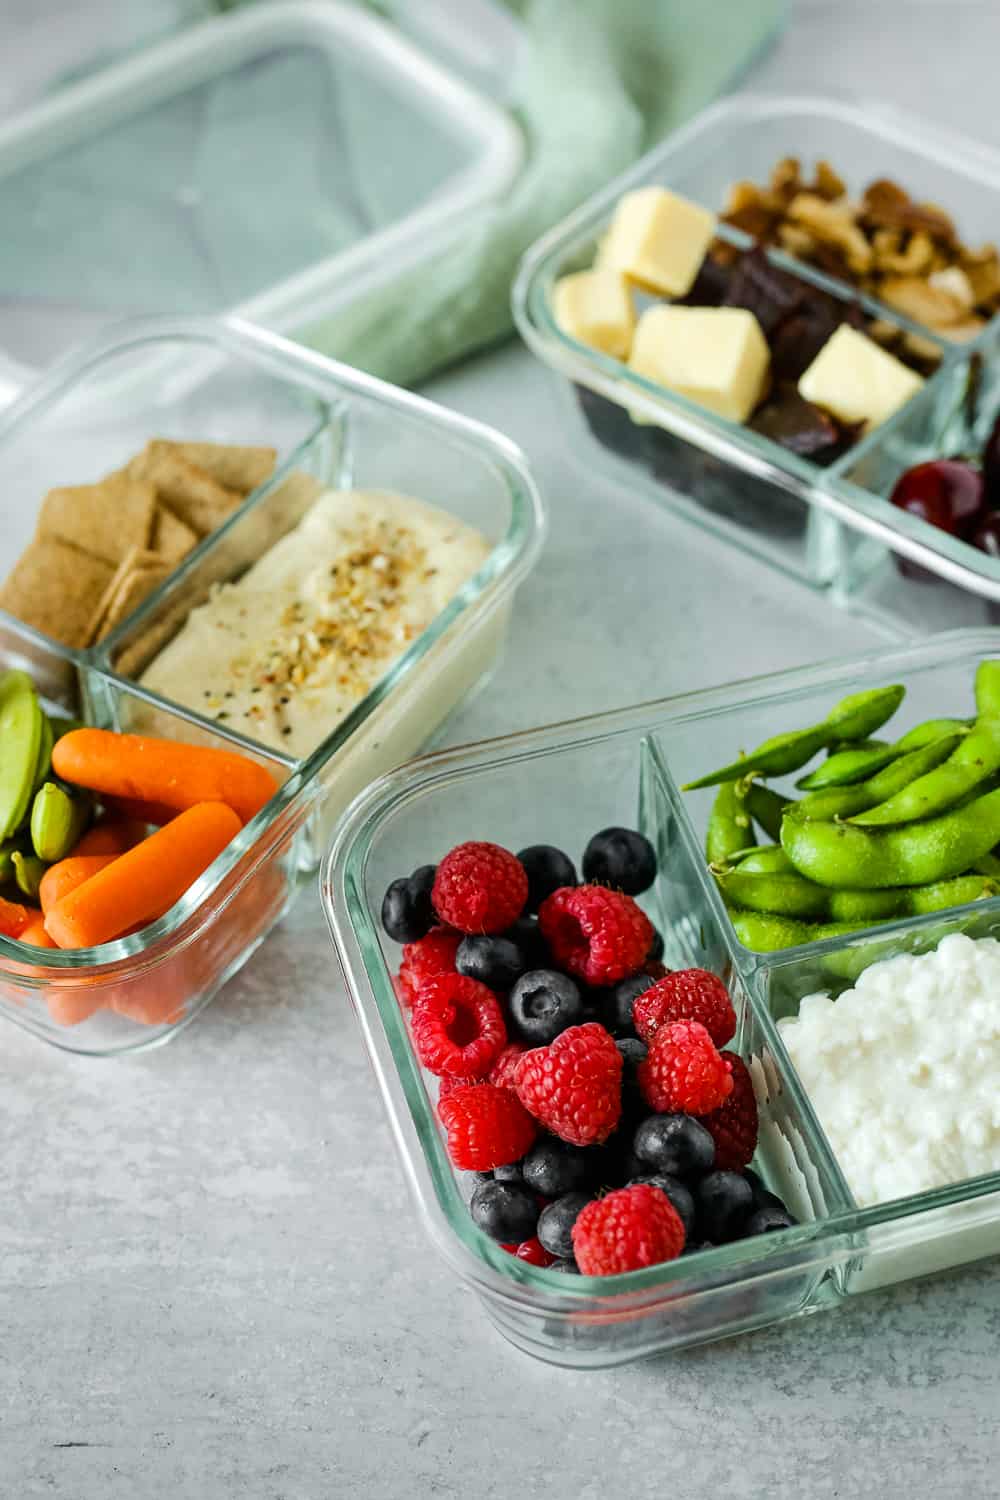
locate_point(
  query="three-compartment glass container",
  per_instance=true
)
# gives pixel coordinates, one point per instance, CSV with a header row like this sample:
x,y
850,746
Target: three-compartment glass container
x,y
559,785
833,527
334,428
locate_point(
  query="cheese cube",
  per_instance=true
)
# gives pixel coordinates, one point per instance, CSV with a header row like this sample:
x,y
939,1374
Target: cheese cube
x,y
596,307
658,240
856,380
716,356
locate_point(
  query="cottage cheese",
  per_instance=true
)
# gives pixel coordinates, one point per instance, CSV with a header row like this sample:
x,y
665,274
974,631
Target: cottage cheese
x,y
904,1070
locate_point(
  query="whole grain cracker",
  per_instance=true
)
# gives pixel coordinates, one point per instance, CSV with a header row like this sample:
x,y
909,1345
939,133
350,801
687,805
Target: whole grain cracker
x,y
172,539
105,519
192,494
233,465
52,587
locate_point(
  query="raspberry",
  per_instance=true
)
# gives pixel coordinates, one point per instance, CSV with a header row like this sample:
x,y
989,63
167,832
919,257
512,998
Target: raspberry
x,y
733,1126
686,995
447,1086
534,1253
630,1228
599,935
683,1071
574,1086
480,888
504,1069
426,959
457,1026
487,1127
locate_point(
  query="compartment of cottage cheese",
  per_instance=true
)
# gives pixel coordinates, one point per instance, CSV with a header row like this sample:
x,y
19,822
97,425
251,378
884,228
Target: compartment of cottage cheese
x,y
903,1072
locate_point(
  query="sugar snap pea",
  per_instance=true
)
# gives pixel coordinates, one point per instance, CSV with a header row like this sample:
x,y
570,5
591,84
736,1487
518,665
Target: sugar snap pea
x,y
842,802
44,764
7,861
20,740
845,857
729,825
855,717
975,758
786,894
57,821
28,872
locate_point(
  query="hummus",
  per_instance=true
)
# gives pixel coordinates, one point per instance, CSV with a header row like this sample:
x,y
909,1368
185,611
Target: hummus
x,y
287,651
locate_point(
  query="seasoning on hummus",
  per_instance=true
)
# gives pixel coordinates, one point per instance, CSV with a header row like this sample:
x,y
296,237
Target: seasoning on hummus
x,y
283,654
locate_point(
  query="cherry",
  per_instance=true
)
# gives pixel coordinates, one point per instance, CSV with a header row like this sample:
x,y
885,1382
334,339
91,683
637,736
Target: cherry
x,y
947,492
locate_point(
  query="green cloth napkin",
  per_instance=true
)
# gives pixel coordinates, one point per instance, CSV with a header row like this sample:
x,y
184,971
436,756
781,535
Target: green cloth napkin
x,y
600,81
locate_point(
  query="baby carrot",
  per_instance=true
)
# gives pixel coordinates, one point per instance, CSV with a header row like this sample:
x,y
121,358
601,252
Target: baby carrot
x,y
110,836
143,769
14,918
59,879
144,883
36,935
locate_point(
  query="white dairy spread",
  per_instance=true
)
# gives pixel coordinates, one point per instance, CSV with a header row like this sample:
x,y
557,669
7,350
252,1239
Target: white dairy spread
x,y
286,652
903,1071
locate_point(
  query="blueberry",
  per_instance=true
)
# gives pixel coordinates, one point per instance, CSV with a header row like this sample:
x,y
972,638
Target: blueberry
x,y
678,1144
548,869
407,914
724,1201
567,1267
527,934
767,1220
693,1246
620,1000
762,1196
656,948
555,1224
680,1196
634,1106
504,1211
510,1173
633,1052
620,858
614,1163
542,1004
553,1168
494,961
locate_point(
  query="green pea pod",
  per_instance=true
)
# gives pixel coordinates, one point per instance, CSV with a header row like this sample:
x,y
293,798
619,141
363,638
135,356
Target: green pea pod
x,y
932,730
845,767
44,763
767,808
770,860
28,872
784,894
843,802
20,740
763,932
988,689
855,717
909,901
729,826
57,821
975,758
988,865
846,857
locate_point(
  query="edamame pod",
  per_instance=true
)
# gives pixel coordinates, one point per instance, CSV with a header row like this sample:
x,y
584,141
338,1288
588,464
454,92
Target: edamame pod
x,y
932,730
975,758
842,802
912,901
729,826
855,717
767,808
846,857
845,767
765,933
28,872
770,860
786,894
988,689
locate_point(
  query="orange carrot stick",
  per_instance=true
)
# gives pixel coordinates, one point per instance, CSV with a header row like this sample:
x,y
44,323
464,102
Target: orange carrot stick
x,y
110,836
35,934
14,918
59,879
144,883
151,770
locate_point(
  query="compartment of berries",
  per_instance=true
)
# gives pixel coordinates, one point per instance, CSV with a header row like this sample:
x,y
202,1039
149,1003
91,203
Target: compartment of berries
x,y
591,1091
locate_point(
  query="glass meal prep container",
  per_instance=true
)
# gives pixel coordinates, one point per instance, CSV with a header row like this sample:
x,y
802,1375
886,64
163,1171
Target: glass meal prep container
x,y
833,526
334,428
560,784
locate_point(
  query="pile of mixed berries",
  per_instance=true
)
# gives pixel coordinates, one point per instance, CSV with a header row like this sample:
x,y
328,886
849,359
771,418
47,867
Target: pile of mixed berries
x,y
586,1086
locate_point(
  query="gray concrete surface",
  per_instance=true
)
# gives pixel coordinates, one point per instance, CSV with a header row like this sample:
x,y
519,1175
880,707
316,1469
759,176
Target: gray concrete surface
x,y
213,1286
